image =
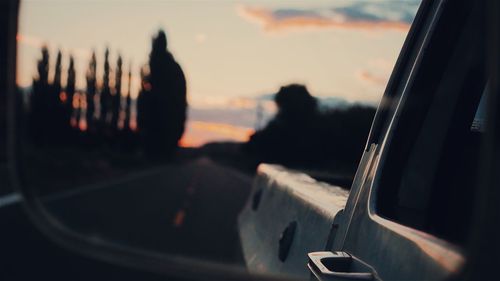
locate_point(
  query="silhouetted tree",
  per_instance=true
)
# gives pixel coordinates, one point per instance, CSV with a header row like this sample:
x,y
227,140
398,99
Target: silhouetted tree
x,y
144,101
43,67
39,107
295,103
69,96
70,84
105,96
301,135
288,136
47,118
128,138
91,92
116,102
162,105
128,101
57,74
58,123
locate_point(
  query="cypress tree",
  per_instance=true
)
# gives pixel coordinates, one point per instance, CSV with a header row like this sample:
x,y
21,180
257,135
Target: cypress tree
x,y
43,67
165,103
128,101
39,109
56,114
106,92
91,91
70,94
70,84
57,74
143,115
116,103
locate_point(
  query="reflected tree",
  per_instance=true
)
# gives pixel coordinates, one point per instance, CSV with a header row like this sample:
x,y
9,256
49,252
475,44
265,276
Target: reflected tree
x,y
303,136
70,86
39,108
162,105
69,96
43,67
128,101
57,123
57,74
116,98
91,92
105,96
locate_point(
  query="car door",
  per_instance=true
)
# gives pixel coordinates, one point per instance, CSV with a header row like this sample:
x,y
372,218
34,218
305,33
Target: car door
x,y
408,213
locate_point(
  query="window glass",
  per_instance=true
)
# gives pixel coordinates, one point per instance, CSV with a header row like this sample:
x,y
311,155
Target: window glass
x,y
480,116
432,163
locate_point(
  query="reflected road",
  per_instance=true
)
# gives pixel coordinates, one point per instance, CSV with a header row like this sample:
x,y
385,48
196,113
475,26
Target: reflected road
x,y
184,209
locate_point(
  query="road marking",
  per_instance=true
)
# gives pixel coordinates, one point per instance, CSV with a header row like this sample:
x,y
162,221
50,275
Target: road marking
x,y
190,191
179,218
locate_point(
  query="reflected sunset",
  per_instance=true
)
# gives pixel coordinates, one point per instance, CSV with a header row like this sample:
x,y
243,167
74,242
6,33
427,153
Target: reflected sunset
x,y
200,132
234,53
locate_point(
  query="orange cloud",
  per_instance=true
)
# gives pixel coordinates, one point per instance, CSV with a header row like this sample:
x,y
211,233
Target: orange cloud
x,y
271,22
200,132
372,78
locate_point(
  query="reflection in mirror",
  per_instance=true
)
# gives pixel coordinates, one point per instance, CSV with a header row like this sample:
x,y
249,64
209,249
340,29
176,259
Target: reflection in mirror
x,y
143,123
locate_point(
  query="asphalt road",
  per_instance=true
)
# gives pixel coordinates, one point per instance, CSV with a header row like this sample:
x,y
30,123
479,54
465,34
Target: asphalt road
x,y
184,209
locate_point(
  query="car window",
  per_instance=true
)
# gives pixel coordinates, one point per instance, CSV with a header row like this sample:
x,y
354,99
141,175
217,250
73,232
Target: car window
x,y
436,150
478,124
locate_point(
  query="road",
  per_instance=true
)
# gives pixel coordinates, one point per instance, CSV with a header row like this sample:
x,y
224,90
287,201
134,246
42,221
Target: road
x,y
183,209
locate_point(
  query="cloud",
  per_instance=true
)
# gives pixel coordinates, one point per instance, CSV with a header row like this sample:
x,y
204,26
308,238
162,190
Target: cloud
x,y
202,132
376,72
222,102
239,112
374,15
370,77
382,64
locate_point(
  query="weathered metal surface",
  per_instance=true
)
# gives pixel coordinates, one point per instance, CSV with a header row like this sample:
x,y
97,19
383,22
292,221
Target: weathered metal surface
x,y
283,199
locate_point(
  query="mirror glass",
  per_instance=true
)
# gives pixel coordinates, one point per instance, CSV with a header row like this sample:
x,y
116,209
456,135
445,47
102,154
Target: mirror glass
x,y
142,123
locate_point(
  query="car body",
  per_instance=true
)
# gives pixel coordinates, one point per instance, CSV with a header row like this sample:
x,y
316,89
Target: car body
x,y
408,215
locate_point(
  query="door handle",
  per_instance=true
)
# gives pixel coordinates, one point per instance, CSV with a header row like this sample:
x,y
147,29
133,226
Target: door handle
x,y
339,266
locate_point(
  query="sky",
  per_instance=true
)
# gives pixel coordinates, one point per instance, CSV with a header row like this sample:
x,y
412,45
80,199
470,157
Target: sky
x,y
232,52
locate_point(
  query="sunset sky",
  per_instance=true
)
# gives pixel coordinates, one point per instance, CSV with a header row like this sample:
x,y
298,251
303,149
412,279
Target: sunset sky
x,y
230,51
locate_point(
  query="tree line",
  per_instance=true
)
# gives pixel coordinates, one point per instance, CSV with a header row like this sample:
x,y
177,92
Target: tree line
x,y
100,114
299,135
